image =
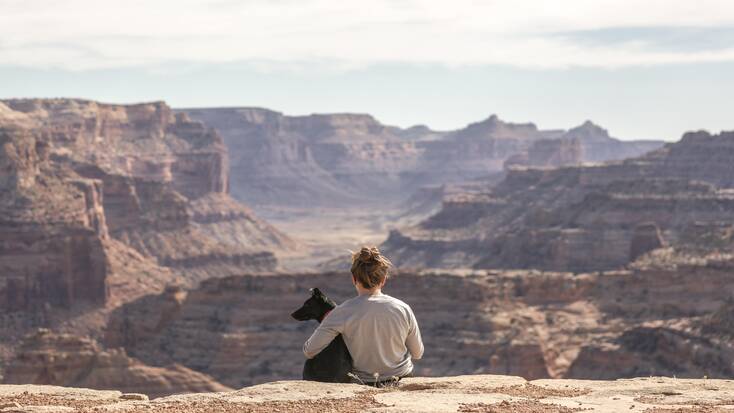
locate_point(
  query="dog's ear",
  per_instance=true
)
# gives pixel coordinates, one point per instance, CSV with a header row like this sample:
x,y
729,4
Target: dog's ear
x,y
316,292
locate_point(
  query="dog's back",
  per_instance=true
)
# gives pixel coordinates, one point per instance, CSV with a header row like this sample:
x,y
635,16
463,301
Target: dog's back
x,y
334,363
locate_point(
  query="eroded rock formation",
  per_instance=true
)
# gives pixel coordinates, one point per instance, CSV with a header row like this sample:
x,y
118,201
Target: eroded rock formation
x,y
598,146
345,159
78,173
529,323
144,140
52,229
68,360
584,218
104,205
100,204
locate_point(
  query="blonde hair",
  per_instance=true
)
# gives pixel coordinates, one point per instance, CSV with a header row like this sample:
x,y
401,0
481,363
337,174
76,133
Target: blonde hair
x,y
369,267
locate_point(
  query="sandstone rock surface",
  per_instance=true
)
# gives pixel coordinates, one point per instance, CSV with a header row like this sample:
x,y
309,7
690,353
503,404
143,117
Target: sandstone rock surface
x,y
68,360
649,320
346,158
584,218
78,174
481,393
336,181
101,203
52,229
549,153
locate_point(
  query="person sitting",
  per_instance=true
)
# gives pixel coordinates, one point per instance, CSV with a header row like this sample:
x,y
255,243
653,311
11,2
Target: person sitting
x,y
381,332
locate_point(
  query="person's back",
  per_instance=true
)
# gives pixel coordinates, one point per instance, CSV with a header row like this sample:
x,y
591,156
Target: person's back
x,y
380,331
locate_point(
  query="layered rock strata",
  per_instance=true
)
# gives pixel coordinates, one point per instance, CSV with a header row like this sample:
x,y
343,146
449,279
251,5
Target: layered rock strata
x,y
549,153
68,360
144,140
139,174
100,204
645,321
351,159
598,146
583,218
52,229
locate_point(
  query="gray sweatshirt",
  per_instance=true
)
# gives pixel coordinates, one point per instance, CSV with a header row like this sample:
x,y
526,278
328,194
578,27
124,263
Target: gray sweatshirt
x,y
380,332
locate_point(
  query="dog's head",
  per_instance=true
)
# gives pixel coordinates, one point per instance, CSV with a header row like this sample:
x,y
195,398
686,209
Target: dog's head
x,y
315,308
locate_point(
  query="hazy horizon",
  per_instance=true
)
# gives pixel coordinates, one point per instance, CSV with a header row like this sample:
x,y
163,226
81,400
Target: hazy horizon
x,y
625,65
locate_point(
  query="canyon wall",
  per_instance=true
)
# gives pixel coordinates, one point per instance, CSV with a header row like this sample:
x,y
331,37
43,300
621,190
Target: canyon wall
x,y
352,159
100,204
550,153
140,174
583,218
117,224
68,360
598,146
143,140
650,320
52,229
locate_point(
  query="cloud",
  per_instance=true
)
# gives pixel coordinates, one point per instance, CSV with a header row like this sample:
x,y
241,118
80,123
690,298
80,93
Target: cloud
x,y
344,34
672,39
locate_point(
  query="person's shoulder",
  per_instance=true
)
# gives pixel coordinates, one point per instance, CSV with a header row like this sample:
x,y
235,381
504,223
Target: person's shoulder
x,y
396,301
343,311
347,303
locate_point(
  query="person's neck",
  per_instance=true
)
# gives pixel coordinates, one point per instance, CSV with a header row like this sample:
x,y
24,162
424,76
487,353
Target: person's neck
x,y
375,291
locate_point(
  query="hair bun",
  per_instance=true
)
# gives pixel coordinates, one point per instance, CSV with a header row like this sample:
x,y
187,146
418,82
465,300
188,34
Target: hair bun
x,y
369,267
368,255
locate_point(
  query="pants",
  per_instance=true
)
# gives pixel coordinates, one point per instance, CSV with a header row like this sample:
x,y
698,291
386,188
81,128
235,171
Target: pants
x,y
392,381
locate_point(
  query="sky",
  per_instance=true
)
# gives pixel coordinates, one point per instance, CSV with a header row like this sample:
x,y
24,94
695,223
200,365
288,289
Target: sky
x,y
641,68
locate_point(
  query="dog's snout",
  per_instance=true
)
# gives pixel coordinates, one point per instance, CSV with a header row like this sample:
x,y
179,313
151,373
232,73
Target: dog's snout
x,y
300,314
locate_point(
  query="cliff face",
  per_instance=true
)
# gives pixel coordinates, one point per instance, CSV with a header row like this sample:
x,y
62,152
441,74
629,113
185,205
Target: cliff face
x,y
140,174
598,146
68,360
144,140
698,156
640,322
313,159
204,237
239,331
347,159
583,218
100,204
551,153
477,150
52,229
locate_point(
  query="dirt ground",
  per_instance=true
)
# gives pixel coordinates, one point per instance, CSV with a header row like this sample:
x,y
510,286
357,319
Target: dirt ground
x,y
465,394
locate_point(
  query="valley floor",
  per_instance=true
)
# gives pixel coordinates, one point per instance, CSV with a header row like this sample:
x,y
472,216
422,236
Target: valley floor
x,y
326,235
478,393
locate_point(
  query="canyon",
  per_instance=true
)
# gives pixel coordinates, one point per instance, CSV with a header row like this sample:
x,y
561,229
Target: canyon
x,y
336,181
104,203
584,218
100,177
160,251
649,320
342,159
69,360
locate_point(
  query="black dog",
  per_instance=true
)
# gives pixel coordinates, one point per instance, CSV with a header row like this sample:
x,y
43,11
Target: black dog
x,y
334,363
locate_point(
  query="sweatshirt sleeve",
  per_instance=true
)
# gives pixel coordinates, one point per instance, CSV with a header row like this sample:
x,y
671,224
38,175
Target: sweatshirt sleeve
x,y
330,327
414,342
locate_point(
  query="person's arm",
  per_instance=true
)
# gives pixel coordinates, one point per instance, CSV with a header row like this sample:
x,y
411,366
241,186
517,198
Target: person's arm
x,y
330,327
414,342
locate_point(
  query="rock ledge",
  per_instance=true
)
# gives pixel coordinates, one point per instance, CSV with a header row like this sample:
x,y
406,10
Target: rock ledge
x,y
478,393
